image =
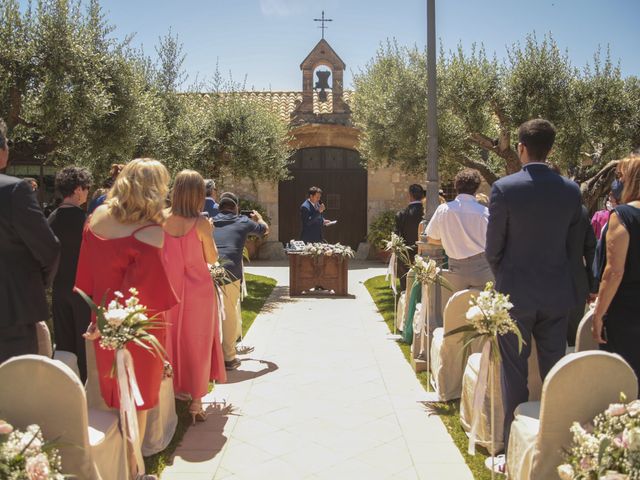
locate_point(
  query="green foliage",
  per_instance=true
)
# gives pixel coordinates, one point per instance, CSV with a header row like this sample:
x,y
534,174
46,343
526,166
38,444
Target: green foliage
x,y
381,229
481,103
70,93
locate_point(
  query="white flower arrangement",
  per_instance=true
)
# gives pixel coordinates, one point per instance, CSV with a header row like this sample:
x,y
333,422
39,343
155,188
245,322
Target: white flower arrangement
x,y
488,316
327,250
26,456
428,272
123,321
607,448
219,275
396,245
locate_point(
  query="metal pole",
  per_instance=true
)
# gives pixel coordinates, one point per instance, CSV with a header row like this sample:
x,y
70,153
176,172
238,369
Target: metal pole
x,y
433,183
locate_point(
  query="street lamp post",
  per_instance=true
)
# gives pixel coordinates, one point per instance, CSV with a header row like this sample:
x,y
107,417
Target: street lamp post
x,y
421,345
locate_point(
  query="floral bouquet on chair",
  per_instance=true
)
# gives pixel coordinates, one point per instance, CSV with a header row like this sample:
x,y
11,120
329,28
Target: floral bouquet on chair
x,y
608,448
123,321
26,456
427,272
219,275
488,316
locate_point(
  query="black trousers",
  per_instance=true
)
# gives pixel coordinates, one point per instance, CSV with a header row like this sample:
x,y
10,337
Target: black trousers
x,y
71,317
18,340
549,328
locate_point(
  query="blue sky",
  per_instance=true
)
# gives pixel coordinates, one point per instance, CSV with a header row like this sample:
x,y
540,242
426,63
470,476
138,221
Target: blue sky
x,y
267,39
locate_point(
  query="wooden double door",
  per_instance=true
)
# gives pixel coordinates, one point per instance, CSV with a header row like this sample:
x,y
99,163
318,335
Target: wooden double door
x,y
343,180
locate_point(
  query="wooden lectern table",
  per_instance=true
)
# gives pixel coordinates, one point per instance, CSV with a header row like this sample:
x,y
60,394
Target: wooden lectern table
x,y
309,271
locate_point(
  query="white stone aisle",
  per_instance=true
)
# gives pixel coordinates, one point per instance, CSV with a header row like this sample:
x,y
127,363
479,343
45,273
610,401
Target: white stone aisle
x,y
325,394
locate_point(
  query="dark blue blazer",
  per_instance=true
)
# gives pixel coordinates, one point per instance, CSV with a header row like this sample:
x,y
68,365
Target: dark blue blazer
x,y
29,253
528,237
312,222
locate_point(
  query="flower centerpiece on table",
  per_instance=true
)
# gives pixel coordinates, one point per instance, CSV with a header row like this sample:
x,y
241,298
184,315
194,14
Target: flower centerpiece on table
x,y
327,250
608,448
26,456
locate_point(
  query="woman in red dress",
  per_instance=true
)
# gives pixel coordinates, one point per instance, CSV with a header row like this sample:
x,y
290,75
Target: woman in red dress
x,y
122,248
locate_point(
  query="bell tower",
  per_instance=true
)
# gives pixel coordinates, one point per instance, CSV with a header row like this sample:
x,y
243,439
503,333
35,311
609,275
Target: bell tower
x,y
318,106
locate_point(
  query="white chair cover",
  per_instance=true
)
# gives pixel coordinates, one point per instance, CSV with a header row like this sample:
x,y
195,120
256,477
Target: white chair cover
x,y
584,339
577,388
46,392
469,381
401,310
44,340
448,357
94,397
69,359
162,421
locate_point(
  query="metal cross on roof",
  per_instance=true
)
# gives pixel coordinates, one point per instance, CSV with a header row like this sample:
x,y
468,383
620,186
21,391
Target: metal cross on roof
x,y
323,20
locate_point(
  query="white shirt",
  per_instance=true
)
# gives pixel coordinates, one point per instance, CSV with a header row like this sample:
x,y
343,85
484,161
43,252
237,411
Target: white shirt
x,y
461,226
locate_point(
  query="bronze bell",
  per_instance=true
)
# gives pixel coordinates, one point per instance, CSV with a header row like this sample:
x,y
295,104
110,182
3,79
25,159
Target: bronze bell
x,y
322,84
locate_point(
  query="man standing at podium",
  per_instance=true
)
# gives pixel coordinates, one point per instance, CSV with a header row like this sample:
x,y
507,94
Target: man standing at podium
x,y
311,217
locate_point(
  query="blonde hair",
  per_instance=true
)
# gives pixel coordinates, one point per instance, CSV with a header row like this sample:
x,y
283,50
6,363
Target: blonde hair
x,y
482,199
187,196
140,191
630,170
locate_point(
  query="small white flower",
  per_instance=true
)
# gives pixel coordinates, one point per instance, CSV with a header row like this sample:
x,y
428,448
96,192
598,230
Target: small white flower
x,y
566,472
474,314
631,438
116,317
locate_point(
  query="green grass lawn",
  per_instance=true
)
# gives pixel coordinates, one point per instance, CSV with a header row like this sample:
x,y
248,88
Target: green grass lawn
x,y
449,412
259,288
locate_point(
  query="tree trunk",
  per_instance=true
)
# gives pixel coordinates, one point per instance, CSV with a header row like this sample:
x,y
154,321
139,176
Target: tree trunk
x,y
597,186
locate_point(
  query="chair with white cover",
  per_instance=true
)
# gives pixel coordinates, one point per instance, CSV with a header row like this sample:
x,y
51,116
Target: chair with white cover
x,y
584,338
46,392
448,357
401,310
162,420
45,348
469,381
580,386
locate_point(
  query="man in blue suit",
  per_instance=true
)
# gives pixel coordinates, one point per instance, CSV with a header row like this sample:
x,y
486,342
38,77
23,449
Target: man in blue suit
x,y
311,217
530,215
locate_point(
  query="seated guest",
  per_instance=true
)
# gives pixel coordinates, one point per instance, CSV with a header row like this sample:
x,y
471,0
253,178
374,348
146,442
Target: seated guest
x,y
230,234
193,343
460,227
615,320
407,223
210,205
71,315
28,254
122,249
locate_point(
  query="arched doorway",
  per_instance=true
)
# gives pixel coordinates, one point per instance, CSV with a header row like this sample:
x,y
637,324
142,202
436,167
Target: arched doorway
x,y
343,180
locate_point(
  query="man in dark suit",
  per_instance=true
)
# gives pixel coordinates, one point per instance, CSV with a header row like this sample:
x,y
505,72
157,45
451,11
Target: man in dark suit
x,y
28,257
311,217
530,215
407,222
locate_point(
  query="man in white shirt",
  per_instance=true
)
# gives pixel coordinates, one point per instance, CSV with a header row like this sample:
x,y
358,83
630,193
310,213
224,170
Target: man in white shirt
x,y
460,227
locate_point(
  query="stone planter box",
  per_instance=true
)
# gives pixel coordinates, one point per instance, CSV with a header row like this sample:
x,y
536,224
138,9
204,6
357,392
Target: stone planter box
x,y
307,272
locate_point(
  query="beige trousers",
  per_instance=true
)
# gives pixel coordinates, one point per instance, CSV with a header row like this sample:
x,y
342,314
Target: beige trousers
x,y
232,324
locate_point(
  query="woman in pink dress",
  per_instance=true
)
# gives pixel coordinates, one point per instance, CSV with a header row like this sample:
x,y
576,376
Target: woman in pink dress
x,y
193,346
